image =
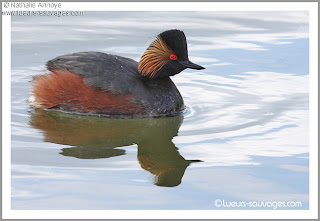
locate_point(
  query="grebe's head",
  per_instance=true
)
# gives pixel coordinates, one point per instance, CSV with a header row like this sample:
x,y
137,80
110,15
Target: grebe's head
x,y
167,55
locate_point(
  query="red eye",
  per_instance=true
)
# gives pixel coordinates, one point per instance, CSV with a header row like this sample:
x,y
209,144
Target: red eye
x,y
173,57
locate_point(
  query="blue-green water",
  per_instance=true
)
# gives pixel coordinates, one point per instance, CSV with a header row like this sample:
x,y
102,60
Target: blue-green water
x,y
243,138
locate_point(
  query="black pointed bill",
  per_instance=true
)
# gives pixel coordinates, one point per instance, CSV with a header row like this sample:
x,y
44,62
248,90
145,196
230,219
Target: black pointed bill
x,y
189,64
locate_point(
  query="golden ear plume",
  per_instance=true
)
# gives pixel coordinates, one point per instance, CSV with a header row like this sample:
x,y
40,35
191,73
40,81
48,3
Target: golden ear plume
x,y
154,58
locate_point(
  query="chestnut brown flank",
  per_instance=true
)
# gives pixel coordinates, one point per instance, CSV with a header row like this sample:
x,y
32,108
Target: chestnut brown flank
x,y
64,90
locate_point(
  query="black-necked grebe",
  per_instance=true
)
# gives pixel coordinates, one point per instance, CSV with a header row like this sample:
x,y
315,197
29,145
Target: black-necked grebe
x,y
99,83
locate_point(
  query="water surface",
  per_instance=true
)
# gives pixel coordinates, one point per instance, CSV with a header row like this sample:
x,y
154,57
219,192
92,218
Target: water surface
x,y
244,136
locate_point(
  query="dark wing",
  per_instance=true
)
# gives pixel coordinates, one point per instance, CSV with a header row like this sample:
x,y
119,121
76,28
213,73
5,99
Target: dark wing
x,y
107,72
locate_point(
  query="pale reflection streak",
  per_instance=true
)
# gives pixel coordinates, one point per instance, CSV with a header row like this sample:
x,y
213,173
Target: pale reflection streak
x,y
251,116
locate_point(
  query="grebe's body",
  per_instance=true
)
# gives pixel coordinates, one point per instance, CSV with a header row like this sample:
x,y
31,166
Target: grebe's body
x,y
99,83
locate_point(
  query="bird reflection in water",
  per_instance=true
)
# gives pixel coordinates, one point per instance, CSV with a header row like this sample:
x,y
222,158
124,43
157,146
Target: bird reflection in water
x,y
97,137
